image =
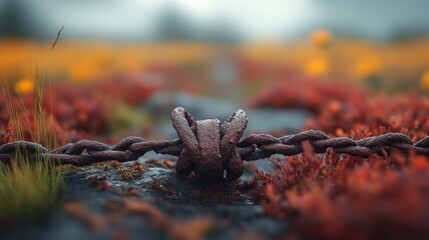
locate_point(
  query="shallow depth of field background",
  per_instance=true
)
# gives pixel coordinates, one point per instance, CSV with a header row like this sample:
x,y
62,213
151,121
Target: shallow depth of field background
x,y
193,45
115,55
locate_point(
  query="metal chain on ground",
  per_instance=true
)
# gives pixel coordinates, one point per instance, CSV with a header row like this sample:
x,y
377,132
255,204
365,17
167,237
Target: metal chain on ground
x,y
213,150
257,146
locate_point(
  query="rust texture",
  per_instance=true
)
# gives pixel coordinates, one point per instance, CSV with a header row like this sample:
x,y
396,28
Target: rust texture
x,y
212,150
209,148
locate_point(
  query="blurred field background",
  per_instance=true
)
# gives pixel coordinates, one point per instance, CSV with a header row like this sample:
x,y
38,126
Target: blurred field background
x,y
218,41
115,55
397,66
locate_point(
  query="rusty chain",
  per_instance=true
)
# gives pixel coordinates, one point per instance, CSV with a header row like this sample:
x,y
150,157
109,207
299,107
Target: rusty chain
x,y
210,148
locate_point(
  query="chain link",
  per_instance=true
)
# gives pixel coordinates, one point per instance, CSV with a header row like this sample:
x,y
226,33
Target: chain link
x,y
203,144
266,145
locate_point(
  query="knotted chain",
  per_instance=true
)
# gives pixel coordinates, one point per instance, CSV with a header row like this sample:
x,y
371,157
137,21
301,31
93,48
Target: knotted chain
x,y
209,148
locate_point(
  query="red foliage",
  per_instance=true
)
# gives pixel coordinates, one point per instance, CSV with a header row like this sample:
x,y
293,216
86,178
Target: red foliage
x,y
334,196
308,94
342,110
328,198
131,89
6,135
78,112
29,127
378,115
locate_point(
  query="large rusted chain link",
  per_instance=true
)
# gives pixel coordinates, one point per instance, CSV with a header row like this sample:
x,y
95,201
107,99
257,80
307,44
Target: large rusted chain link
x,y
209,147
212,149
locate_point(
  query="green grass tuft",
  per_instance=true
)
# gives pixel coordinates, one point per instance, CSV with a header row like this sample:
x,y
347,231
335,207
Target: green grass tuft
x,y
30,186
28,189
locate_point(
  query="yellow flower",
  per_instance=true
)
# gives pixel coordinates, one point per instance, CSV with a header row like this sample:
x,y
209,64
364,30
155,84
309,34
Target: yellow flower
x,y
321,37
24,86
316,67
368,68
424,82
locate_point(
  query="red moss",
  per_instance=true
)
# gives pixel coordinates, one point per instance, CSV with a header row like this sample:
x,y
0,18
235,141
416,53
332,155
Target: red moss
x,y
312,95
342,110
129,173
334,197
130,89
6,135
374,198
378,115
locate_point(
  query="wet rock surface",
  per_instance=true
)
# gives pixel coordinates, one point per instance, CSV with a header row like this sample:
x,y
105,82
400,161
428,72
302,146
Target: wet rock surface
x,y
148,199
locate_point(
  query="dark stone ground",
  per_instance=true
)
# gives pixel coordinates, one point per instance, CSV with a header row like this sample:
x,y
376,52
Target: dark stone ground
x,y
232,208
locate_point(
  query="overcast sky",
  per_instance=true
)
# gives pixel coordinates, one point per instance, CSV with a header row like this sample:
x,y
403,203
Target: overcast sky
x,y
257,19
252,19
